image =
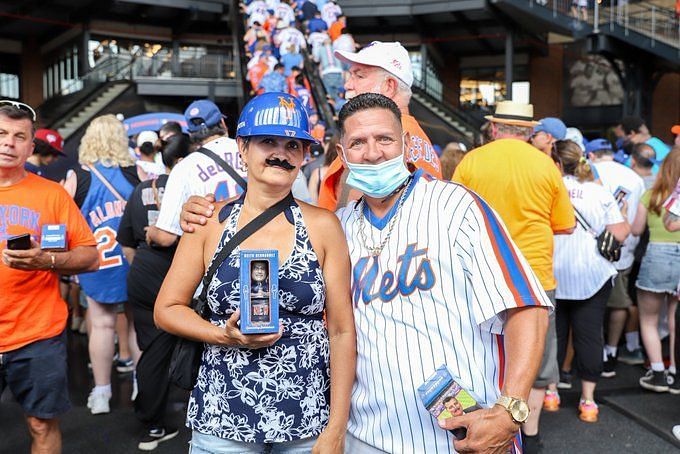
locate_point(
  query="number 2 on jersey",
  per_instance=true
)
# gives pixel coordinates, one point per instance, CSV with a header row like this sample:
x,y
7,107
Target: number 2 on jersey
x,y
106,244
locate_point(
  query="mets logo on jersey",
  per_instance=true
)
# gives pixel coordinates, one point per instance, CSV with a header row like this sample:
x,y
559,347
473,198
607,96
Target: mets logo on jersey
x,y
414,273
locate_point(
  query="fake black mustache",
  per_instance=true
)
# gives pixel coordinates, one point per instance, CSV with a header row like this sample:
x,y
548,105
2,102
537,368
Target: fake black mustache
x,y
279,163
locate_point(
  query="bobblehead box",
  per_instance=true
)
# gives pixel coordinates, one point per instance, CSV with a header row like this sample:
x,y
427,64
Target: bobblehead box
x,y
259,277
53,237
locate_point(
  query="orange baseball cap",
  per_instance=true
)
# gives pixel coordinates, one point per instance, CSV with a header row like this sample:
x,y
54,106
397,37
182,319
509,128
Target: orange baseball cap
x,y
675,129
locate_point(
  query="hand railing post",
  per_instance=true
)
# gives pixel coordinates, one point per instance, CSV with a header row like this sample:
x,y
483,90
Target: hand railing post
x,y
653,25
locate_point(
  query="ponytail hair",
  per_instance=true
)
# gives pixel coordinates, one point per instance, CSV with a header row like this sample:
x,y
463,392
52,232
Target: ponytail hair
x,y
573,161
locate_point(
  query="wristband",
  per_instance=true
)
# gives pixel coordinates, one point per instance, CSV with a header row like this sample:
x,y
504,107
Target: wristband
x,y
54,261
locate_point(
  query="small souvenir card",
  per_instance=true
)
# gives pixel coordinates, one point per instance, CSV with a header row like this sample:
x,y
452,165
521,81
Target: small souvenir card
x,y
672,203
444,398
53,237
621,194
152,217
259,291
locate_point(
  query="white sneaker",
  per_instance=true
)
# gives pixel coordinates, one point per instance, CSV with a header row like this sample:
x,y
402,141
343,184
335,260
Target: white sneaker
x,y
98,403
676,431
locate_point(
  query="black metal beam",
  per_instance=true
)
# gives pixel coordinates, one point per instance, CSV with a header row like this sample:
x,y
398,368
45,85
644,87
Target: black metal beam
x,y
469,26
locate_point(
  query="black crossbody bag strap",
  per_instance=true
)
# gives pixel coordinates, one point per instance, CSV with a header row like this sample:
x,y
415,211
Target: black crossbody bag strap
x,y
240,236
227,168
581,220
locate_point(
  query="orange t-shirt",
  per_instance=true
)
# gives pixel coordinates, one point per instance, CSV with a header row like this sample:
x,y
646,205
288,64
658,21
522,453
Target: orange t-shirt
x,y
31,308
256,73
421,155
336,30
525,187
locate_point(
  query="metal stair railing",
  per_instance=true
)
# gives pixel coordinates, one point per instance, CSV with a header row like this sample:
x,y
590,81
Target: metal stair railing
x,y
658,23
427,83
311,71
109,68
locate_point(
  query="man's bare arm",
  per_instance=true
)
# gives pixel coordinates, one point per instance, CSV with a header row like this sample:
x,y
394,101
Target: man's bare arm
x,y
80,259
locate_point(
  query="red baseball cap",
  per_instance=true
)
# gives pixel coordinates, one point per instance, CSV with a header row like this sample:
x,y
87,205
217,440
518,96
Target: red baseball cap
x,y
675,129
52,138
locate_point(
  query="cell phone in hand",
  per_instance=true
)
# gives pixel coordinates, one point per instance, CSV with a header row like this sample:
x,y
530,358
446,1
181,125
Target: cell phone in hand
x,y
19,242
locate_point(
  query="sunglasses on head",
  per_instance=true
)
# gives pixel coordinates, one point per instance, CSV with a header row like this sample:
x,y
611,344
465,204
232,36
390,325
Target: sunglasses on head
x,y
20,106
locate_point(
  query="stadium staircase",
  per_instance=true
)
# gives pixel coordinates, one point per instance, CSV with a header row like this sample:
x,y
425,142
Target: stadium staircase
x,y
651,26
85,97
90,109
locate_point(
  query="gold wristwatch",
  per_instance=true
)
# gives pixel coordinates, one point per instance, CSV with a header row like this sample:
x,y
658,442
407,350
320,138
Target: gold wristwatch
x,y
518,408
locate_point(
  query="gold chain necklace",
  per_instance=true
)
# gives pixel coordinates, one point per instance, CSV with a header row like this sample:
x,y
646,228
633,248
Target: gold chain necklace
x,y
372,249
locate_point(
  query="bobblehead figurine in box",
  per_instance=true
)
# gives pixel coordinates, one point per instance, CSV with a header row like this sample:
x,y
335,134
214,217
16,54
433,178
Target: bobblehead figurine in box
x,y
259,291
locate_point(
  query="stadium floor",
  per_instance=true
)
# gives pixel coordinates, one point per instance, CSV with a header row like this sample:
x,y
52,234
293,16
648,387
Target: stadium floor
x,y
631,419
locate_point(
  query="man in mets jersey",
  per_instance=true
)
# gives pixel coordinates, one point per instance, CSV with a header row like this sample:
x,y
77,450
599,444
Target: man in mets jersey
x,y
435,280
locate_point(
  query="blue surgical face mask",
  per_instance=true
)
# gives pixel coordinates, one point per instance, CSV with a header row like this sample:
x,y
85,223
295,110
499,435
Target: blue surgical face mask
x,y
378,180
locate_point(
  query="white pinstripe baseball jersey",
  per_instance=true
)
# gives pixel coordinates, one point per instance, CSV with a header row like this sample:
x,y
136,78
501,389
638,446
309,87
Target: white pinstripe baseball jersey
x,y
580,269
435,295
614,175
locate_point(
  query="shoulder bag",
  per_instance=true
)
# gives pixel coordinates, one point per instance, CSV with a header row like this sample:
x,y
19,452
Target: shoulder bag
x,y
607,245
186,358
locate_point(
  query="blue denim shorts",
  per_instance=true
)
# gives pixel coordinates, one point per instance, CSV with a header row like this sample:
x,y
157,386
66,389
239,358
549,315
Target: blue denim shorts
x,y
660,268
209,444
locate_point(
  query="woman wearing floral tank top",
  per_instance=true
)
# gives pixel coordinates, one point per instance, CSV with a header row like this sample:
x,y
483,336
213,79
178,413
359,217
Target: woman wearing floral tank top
x,y
284,392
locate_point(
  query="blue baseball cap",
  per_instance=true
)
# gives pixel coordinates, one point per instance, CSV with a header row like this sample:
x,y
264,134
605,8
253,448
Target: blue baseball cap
x,y
553,126
598,145
202,114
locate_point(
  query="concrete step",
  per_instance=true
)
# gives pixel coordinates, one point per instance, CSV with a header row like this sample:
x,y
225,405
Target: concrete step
x,y
91,110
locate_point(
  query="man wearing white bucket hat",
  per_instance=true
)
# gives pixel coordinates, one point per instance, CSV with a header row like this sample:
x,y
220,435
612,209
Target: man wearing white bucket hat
x,y
525,187
383,68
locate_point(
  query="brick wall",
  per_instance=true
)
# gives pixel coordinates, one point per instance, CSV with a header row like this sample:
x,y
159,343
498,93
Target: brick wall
x,y
545,76
666,106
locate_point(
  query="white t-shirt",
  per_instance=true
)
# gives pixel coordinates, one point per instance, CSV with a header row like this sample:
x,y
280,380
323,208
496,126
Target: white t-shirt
x,y
285,12
317,39
289,36
257,8
272,4
344,42
197,174
614,175
435,295
330,13
152,169
579,268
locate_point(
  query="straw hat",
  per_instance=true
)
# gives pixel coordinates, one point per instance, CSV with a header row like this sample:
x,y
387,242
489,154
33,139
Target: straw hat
x,y
514,113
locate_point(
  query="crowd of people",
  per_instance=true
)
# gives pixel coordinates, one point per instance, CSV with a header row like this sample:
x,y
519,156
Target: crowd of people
x,y
281,35
534,259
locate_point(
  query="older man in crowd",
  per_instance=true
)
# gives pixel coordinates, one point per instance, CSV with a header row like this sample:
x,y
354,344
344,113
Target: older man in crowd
x,y
383,68
32,314
524,186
